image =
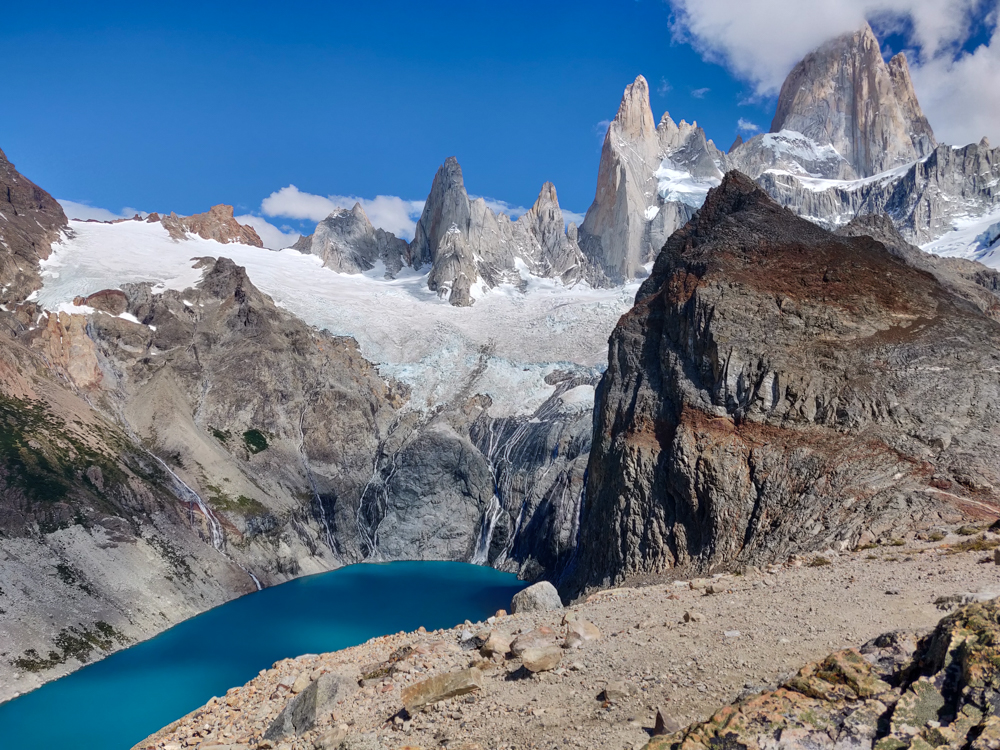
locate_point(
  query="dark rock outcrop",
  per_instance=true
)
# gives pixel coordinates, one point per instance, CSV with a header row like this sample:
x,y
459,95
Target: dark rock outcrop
x,y
776,389
30,221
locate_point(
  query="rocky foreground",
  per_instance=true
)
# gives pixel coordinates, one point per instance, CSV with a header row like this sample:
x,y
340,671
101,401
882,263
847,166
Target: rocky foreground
x,y
598,673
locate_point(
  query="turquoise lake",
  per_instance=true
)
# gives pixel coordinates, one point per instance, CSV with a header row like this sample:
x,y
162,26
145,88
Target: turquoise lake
x,y
119,701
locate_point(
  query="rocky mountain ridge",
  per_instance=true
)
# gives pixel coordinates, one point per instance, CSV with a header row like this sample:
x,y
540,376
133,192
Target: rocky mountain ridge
x,y
848,139
778,389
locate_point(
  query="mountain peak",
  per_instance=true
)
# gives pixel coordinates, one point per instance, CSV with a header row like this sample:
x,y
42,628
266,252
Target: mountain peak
x,y
635,116
845,95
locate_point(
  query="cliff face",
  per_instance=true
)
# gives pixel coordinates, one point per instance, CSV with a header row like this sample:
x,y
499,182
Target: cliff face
x,y
31,222
776,389
846,96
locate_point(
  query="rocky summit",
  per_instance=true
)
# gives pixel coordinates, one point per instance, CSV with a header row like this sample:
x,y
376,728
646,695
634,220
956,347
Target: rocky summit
x,y
779,389
31,222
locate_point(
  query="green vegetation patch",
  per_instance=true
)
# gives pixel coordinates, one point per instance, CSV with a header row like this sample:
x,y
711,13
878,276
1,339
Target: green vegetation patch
x,y
43,458
221,435
72,643
819,562
977,544
255,441
241,504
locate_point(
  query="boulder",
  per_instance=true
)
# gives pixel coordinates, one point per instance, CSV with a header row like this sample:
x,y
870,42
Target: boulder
x,y
303,711
541,659
531,639
441,687
495,643
541,597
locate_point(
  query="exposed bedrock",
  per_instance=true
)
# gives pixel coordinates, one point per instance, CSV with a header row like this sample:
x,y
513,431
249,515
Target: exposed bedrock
x,y
777,389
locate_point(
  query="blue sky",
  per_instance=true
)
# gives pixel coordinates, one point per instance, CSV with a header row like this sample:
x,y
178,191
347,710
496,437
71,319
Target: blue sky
x,y
181,106
192,104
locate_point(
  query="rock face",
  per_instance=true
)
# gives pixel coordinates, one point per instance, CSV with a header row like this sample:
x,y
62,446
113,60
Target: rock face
x,y
650,180
467,244
845,96
777,389
31,221
891,693
348,243
218,223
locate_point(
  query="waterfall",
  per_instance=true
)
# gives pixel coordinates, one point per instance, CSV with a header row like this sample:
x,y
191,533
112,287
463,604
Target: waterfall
x,y
490,518
193,498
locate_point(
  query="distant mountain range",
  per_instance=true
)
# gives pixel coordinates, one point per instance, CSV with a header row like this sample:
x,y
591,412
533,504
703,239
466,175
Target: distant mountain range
x,y
188,415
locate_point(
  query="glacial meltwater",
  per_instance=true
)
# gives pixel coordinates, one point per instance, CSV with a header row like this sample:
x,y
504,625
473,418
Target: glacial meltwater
x,y
117,702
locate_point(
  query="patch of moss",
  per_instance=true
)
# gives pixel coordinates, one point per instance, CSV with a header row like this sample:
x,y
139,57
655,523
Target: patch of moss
x,y
255,441
819,562
935,536
221,435
242,504
978,544
966,530
73,642
896,543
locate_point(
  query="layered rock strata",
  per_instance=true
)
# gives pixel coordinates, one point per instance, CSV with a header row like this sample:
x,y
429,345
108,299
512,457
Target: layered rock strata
x,y
778,389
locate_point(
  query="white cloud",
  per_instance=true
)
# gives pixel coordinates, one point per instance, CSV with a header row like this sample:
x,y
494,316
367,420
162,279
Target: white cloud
x,y
572,216
664,88
700,93
274,238
961,98
388,212
957,90
84,211
601,129
745,126
502,207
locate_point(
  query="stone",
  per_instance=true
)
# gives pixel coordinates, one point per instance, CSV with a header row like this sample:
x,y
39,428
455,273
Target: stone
x,y
111,301
617,691
531,639
541,659
692,616
441,687
496,644
583,629
300,684
330,739
540,597
304,710
664,724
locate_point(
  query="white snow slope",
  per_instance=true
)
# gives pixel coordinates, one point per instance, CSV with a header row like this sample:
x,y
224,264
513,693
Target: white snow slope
x,y
402,326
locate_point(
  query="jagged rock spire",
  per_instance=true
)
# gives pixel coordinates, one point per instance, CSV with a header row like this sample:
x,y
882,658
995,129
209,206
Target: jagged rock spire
x,y
447,204
846,96
613,230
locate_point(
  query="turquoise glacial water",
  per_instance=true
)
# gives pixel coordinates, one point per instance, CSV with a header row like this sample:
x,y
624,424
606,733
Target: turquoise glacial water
x,y
117,702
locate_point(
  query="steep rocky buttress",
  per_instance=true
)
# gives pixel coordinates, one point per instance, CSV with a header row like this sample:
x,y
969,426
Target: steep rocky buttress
x,y
30,221
779,389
